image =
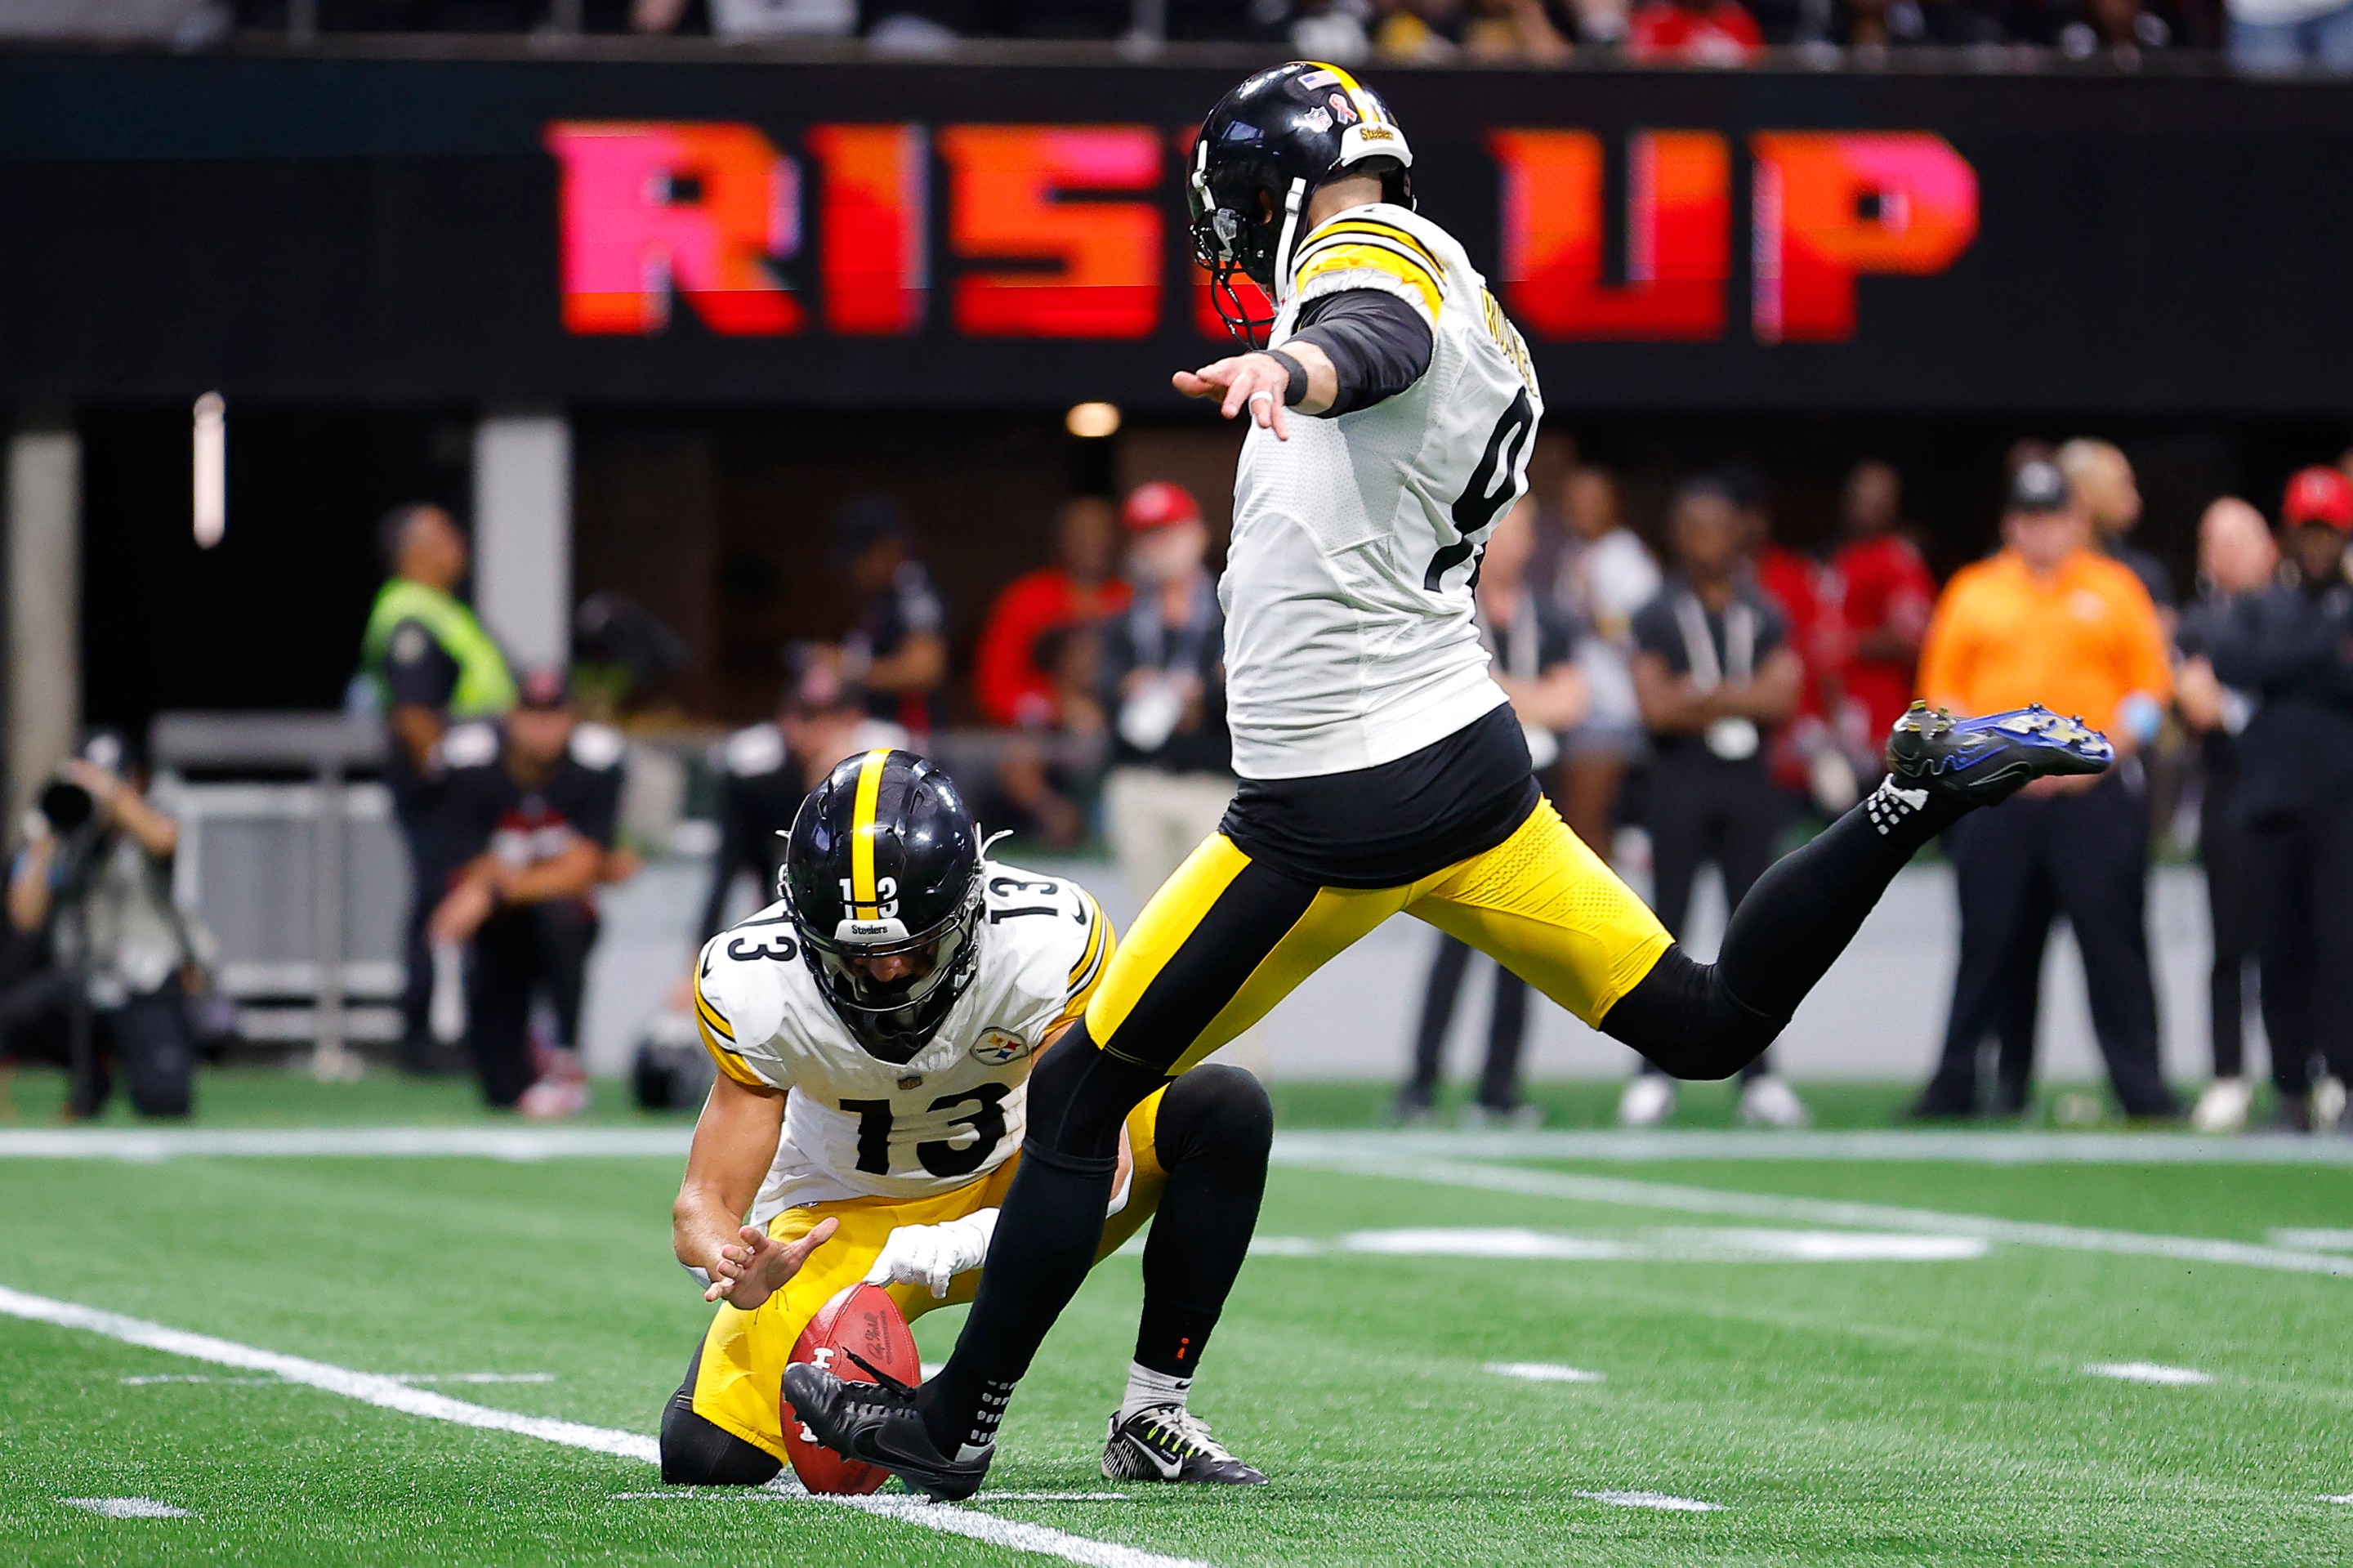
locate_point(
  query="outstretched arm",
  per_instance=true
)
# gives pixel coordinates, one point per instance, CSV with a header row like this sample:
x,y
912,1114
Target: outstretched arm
x,y
735,1141
1351,350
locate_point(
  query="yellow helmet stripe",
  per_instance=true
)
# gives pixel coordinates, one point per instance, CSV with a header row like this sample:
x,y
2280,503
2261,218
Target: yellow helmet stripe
x,y
862,828
1366,105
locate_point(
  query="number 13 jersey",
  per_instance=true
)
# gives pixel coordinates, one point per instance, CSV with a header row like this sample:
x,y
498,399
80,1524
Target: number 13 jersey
x,y
856,1126
1349,639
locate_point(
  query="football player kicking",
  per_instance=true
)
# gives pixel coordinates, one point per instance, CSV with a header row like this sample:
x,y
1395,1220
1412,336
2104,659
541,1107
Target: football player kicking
x,y
1382,771
876,1032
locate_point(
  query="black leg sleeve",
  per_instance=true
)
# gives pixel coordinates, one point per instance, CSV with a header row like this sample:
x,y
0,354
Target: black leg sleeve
x,y
1215,1128
1047,1233
1801,914
696,1453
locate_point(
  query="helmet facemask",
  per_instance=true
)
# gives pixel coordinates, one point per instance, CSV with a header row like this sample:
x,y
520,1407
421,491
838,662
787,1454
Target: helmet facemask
x,y
892,1020
1231,236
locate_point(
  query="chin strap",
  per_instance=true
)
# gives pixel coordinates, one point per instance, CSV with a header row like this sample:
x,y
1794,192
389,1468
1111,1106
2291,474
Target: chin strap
x,y
1234,311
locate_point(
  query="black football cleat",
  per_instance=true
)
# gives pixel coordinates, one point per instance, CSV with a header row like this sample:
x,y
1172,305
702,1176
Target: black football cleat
x,y
1170,1443
878,1423
1984,761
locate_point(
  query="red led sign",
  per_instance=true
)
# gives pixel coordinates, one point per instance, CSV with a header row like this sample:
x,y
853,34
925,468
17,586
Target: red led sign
x,y
1061,231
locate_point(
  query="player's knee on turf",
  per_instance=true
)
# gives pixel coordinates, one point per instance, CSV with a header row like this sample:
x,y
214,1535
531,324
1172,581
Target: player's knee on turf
x,y
1686,1021
1216,1112
697,1453
1078,1096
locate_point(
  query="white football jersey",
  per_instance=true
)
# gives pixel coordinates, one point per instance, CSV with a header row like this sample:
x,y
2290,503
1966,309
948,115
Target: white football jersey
x,y
1347,587
859,1128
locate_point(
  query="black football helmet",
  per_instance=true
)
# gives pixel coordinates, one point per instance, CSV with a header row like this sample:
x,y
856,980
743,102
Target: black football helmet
x,y
1261,153
882,873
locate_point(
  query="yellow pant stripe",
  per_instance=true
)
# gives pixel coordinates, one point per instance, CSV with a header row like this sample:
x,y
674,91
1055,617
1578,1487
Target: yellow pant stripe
x,y
861,836
1161,930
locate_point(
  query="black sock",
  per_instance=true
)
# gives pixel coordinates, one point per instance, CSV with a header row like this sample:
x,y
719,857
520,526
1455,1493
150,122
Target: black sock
x,y
1808,904
1047,1234
1215,1126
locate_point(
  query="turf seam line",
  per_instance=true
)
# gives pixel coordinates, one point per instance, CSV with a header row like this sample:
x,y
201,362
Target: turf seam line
x,y
390,1394
1625,1192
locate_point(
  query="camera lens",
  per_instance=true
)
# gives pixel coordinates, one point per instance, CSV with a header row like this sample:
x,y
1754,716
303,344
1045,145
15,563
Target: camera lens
x,y
66,805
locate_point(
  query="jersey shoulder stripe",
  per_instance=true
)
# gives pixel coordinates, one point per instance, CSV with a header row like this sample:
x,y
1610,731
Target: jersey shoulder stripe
x,y
719,1039
1413,279
1087,974
1378,229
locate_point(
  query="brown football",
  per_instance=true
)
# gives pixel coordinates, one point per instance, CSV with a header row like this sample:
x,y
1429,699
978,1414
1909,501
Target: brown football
x,y
865,1319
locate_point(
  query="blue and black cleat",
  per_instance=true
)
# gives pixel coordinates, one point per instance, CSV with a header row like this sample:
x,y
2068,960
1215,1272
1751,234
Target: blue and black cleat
x,y
1984,761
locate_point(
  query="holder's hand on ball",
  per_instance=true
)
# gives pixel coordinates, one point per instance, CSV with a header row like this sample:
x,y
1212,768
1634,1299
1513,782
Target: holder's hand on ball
x,y
758,1265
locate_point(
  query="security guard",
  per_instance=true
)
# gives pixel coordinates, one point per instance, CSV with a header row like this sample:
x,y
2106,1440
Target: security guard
x,y
431,666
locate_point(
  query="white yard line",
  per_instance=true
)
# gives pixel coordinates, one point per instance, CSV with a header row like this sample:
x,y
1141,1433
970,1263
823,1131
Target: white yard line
x,y
1659,1500
1954,1145
533,1143
391,1394
127,1508
1544,1371
1626,1192
2150,1372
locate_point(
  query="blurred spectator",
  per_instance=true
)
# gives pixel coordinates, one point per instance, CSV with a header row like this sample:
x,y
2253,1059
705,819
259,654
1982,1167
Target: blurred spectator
x,y
533,800
2050,620
898,648
1713,670
1331,30
1162,682
1512,32
1532,641
765,769
428,665
1692,33
1871,28
1802,755
1422,32
2291,647
622,653
2236,557
1013,685
2122,29
1045,775
2280,38
93,881
1883,595
1603,577
2103,477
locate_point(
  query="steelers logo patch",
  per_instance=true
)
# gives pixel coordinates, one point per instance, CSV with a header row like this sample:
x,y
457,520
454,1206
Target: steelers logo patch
x,y
1000,1046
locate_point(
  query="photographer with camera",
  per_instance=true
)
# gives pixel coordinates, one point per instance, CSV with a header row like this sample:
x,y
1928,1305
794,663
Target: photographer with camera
x,y
94,880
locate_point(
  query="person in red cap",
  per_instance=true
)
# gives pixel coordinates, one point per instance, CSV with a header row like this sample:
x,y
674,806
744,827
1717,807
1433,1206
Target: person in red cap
x,y
1011,680
2292,650
1163,685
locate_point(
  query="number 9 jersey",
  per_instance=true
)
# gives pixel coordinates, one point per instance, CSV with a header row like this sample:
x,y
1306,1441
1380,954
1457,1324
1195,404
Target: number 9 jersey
x,y
857,1127
1349,639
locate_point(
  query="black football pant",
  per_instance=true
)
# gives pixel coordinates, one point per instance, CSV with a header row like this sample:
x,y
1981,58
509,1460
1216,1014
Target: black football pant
x,y
2085,856
2300,871
522,952
2224,843
1507,1029
1704,811
431,864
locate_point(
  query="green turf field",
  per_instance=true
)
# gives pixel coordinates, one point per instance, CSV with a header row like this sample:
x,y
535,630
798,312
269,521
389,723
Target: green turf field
x,y
1925,1402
